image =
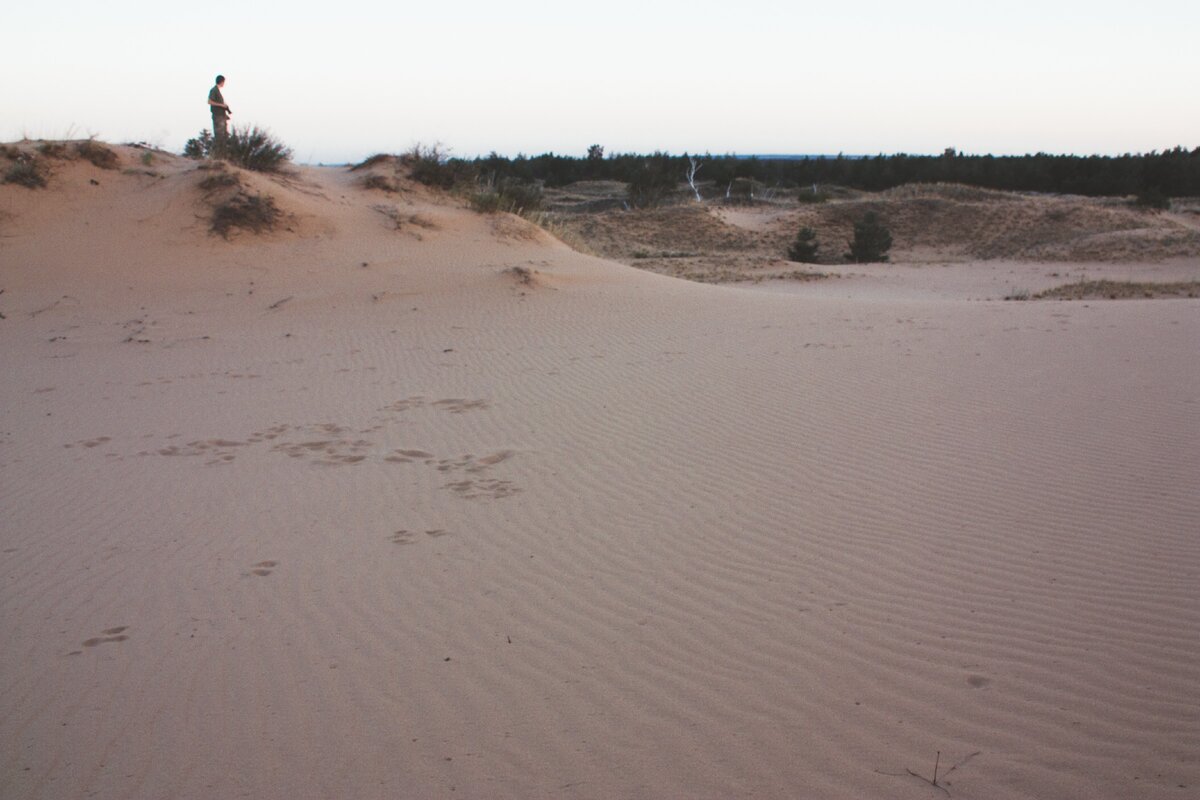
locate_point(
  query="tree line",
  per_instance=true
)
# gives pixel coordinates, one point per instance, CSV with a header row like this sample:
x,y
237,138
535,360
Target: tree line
x,y
1169,173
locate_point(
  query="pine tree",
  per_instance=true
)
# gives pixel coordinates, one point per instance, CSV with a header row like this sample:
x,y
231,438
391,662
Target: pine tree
x,y
871,240
804,249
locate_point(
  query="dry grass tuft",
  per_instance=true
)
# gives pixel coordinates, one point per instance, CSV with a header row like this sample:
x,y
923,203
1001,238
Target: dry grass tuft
x,y
219,180
372,161
523,275
380,182
1119,290
255,213
57,150
98,154
27,170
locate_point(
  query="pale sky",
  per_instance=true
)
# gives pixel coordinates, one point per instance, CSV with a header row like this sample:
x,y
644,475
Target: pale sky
x,y
340,81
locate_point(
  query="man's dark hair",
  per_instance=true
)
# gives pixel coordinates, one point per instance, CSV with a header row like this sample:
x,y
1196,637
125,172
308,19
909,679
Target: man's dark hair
x,y
220,79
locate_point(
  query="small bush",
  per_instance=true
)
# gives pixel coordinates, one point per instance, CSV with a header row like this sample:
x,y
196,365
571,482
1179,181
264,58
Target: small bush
x,y
219,180
508,195
367,163
255,213
101,156
804,249
432,166
200,147
871,240
54,150
253,149
812,195
653,182
380,182
28,171
1153,198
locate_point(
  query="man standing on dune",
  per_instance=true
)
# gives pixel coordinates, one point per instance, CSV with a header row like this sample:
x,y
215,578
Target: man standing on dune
x,y
220,111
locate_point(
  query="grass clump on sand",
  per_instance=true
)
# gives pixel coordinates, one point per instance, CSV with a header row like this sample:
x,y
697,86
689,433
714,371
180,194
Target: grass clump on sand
x,y
508,195
371,161
27,171
1119,290
219,179
256,213
432,166
99,155
380,182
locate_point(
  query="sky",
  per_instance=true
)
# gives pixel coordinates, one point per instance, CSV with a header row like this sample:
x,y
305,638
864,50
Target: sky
x,y
338,82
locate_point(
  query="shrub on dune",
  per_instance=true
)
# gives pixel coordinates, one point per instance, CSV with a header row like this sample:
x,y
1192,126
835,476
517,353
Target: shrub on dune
x,y
507,195
200,147
98,154
371,161
253,149
27,171
255,213
432,166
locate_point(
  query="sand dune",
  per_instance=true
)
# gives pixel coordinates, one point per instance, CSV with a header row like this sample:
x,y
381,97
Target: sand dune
x,y
444,508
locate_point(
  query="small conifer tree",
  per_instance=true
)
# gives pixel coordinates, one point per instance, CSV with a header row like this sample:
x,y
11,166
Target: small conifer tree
x,y
804,249
871,240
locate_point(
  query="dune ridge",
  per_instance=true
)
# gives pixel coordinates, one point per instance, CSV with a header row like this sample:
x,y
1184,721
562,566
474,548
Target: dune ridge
x,y
352,510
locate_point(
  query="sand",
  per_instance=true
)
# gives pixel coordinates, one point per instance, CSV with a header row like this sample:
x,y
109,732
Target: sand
x,y
348,510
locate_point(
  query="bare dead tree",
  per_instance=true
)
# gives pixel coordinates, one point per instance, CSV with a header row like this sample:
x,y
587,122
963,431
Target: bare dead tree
x,y
693,167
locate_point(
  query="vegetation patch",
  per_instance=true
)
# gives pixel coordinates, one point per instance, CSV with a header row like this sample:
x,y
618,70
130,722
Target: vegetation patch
x,y
1119,290
812,195
199,147
871,241
804,248
523,275
654,182
251,148
380,182
375,160
432,166
100,155
58,150
218,180
255,213
28,171
508,195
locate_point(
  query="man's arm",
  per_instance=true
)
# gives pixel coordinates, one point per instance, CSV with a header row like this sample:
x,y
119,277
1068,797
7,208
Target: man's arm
x,y
218,104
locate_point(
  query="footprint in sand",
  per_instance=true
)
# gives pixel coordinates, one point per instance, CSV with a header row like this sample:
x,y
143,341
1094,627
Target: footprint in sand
x,y
263,568
977,681
407,537
405,405
401,537
459,406
116,634
408,456
490,488
89,443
